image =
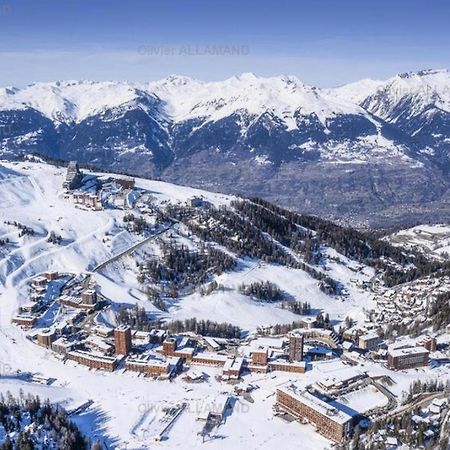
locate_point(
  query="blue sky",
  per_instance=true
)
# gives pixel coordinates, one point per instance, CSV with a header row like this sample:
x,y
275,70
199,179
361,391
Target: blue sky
x,y
323,42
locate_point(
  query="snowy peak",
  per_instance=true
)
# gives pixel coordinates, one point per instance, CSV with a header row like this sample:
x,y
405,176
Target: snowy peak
x,y
424,73
418,103
420,90
69,101
282,96
185,98
149,127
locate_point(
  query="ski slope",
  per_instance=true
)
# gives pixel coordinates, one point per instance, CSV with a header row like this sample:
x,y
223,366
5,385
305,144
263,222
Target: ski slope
x,y
126,409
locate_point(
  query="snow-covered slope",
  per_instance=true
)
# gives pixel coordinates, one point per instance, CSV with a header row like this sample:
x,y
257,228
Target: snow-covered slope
x,y
184,98
424,88
418,103
428,239
282,96
128,409
420,91
356,92
31,195
68,101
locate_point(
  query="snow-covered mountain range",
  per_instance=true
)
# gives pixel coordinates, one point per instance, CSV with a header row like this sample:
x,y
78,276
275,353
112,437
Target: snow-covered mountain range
x,y
343,152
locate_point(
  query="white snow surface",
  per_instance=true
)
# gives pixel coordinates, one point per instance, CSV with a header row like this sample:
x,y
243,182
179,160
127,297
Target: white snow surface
x,y
424,89
356,92
426,238
189,98
126,407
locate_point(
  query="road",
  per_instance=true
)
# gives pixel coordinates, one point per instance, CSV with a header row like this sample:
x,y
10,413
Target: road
x,y
418,402
131,249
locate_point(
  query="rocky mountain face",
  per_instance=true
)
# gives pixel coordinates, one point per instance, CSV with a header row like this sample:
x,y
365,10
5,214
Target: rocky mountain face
x,y
371,152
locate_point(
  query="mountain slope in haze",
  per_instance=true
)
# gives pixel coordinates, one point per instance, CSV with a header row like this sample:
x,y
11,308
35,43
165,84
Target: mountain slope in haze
x,y
350,152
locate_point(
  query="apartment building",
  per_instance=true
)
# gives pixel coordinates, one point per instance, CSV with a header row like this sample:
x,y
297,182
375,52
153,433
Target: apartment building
x,y
92,360
407,357
331,422
148,366
122,340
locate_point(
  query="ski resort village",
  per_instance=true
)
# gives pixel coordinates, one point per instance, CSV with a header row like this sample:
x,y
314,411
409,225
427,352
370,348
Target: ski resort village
x,y
148,314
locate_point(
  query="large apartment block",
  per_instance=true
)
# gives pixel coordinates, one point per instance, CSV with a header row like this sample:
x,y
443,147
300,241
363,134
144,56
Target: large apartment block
x,y
148,366
331,422
93,361
407,357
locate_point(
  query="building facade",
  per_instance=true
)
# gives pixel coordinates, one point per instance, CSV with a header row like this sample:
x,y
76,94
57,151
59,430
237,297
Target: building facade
x,y
428,342
93,361
295,347
329,421
260,357
148,367
46,338
122,340
407,358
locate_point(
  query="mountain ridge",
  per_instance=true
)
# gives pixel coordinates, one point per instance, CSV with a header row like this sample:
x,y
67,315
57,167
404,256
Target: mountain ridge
x,y
371,136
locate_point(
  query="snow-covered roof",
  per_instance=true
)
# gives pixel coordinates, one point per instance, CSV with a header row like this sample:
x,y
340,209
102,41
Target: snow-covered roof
x,y
315,403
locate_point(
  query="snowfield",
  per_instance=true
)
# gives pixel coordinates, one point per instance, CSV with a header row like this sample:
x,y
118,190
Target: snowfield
x,y
434,239
127,409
